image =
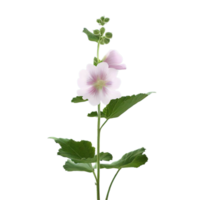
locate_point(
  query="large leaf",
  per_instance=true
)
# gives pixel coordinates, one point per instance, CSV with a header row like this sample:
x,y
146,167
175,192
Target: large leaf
x,y
78,99
133,159
75,150
117,107
71,166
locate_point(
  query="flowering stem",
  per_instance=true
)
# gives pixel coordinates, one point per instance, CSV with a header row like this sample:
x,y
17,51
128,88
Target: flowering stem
x,y
98,151
98,140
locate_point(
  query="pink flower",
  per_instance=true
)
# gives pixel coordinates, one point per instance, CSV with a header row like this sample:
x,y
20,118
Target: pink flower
x,y
114,59
98,84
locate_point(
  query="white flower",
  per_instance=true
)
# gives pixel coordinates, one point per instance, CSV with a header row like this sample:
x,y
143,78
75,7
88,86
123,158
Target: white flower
x,y
98,84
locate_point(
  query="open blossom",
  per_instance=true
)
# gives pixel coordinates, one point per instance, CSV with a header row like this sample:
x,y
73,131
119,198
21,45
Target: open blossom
x,y
98,84
114,60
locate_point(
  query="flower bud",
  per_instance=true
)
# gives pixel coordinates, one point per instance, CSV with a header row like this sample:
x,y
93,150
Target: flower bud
x,y
106,40
102,41
96,32
109,35
108,20
102,17
95,61
102,30
98,21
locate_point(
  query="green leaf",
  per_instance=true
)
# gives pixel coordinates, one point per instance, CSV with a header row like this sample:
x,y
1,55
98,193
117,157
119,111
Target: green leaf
x,y
95,61
75,150
106,19
117,107
133,159
78,99
71,166
90,36
94,114
106,156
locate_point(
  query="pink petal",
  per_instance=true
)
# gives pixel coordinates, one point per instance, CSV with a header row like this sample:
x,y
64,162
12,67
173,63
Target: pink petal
x,y
115,60
94,100
92,70
120,67
106,95
113,56
114,84
102,70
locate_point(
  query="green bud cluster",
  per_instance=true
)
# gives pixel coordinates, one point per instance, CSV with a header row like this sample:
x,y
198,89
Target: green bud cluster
x,y
99,35
102,21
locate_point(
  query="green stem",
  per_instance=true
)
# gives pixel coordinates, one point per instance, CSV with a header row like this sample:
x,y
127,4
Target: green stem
x,y
98,140
103,124
98,151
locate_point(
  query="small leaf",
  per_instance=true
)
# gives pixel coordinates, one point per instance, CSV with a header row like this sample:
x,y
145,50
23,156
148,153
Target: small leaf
x,y
78,99
106,156
106,19
94,114
71,166
95,60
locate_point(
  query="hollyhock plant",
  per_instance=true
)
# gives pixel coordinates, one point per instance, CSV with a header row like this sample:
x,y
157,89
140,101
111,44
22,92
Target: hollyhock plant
x,y
99,84
114,60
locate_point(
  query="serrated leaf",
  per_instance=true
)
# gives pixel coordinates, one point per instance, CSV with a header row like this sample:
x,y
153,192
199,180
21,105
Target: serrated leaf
x,y
75,150
78,99
133,159
117,107
71,166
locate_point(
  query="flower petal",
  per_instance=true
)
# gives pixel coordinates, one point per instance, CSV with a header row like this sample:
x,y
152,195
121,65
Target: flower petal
x,y
92,70
119,67
94,100
113,57
114,84
102,70
106,95
112,74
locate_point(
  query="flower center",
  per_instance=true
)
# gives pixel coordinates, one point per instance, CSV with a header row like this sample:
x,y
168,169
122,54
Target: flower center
x,y
99,84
